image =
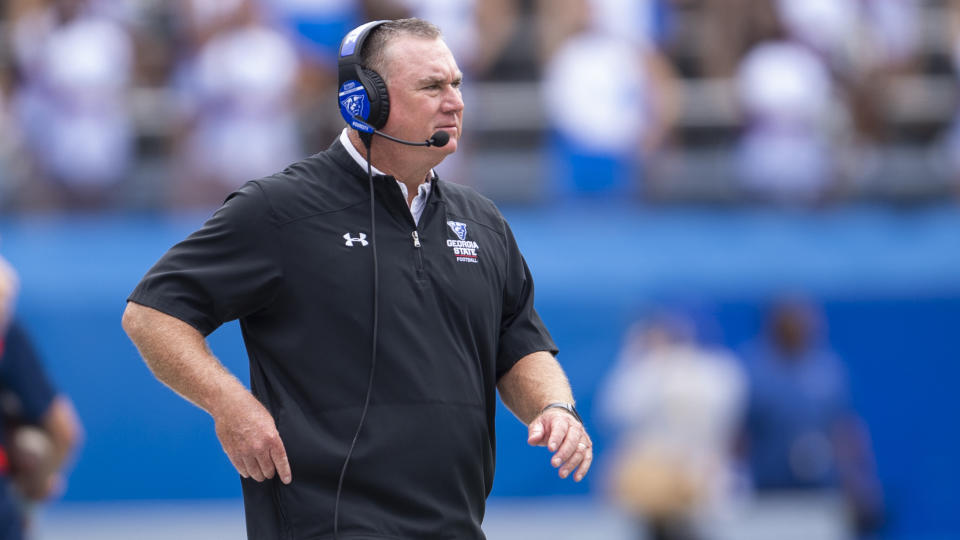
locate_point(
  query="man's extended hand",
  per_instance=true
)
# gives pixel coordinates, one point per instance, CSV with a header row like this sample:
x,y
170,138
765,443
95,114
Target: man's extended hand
x,y
250,438
563,435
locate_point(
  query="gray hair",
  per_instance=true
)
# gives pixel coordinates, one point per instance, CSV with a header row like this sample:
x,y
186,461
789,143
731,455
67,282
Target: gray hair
x,y
374,47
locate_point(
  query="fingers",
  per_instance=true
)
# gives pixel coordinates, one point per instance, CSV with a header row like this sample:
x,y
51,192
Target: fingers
x,y
585,464
572,447
559,424
264,463
579,459
251,441
536,432
279,456
253,468
239,466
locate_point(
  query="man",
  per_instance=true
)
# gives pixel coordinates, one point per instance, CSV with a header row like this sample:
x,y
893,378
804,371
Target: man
x,y
802,434
292,256
40,427
675,403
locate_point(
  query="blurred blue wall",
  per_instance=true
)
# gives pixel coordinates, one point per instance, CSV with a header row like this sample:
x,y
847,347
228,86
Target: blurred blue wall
x,y
889,282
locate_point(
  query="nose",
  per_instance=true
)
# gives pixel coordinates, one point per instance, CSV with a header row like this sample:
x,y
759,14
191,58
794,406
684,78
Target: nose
x,y
452,100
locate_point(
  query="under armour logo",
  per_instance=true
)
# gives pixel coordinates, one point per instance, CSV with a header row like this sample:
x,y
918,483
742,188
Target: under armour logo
x,y
350,240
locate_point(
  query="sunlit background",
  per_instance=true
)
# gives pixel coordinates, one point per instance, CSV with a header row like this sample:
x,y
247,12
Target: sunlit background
x,y
686,179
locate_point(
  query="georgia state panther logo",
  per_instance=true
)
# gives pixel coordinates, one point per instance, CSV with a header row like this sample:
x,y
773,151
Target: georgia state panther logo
x,y
354,104
459,229
464,250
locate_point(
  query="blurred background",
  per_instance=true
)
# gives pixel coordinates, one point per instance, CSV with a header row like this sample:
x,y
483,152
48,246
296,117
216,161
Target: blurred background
x,y
742,217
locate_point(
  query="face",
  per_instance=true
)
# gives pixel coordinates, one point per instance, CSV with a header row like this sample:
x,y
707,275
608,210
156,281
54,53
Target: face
x,y
424,86
792,328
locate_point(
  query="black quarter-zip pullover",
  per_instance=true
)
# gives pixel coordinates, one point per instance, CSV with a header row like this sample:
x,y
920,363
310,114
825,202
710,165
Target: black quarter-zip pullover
x,y
290,257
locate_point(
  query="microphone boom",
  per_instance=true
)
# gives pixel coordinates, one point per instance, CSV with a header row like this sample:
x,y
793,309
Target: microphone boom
x,y
439,138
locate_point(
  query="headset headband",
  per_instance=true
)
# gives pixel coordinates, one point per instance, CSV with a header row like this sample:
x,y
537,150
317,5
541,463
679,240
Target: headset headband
x,y
352,43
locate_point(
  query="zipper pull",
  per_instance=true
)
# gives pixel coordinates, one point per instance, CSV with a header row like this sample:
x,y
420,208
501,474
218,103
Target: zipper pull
x,y
416,239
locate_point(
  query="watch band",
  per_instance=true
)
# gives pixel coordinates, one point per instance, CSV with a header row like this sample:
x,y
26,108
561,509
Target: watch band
x,y
565,406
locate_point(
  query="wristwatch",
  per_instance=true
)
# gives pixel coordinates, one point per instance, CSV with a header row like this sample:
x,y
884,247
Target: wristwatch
x,y
565,406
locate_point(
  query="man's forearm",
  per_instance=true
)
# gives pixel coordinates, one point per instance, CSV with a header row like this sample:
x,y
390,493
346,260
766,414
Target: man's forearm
x,y
178,355
535,381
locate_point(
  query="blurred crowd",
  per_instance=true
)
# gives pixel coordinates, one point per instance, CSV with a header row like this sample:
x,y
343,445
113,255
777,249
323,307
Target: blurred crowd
x,y
766,432
108,104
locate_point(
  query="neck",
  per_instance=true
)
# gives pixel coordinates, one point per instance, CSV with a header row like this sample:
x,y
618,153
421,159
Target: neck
x,y
409,165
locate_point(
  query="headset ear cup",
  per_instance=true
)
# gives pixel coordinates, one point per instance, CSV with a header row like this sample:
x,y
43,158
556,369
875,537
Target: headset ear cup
x,y
379,99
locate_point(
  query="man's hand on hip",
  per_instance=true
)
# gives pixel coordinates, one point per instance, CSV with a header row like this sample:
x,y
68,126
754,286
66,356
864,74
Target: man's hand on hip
x,y
250,438
563,435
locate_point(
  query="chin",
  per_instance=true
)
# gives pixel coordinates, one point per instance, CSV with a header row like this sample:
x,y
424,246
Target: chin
x,y
448,148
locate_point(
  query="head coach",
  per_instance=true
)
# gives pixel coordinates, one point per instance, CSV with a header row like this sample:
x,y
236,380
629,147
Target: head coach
x,y
381,308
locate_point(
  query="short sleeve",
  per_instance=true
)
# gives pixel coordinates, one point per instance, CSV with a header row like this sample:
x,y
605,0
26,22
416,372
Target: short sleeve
x,y
22,375
226,270
521,330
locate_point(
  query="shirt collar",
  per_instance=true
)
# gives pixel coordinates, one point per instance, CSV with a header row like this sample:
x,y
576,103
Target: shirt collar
x,y
345,141
423,190
352,150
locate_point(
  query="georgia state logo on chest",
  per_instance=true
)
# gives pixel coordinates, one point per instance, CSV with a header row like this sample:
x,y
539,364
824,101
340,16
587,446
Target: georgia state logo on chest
x,y
464,250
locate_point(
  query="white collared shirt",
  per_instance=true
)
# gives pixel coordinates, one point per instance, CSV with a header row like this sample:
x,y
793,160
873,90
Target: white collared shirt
x,y
423,191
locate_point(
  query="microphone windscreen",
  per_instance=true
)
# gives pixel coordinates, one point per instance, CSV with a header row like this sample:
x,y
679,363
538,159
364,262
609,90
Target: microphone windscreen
x,y
440,138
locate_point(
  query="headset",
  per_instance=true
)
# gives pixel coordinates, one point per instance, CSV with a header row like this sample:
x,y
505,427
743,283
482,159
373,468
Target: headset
x,y
362,92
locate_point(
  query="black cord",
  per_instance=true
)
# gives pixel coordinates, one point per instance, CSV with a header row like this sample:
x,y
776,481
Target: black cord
x,y
373,347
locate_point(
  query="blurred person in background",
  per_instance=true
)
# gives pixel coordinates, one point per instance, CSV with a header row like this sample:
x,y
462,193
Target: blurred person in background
x,y
787,152
40,429
801,434
866,45
235,91
676,405
608,95
73,64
